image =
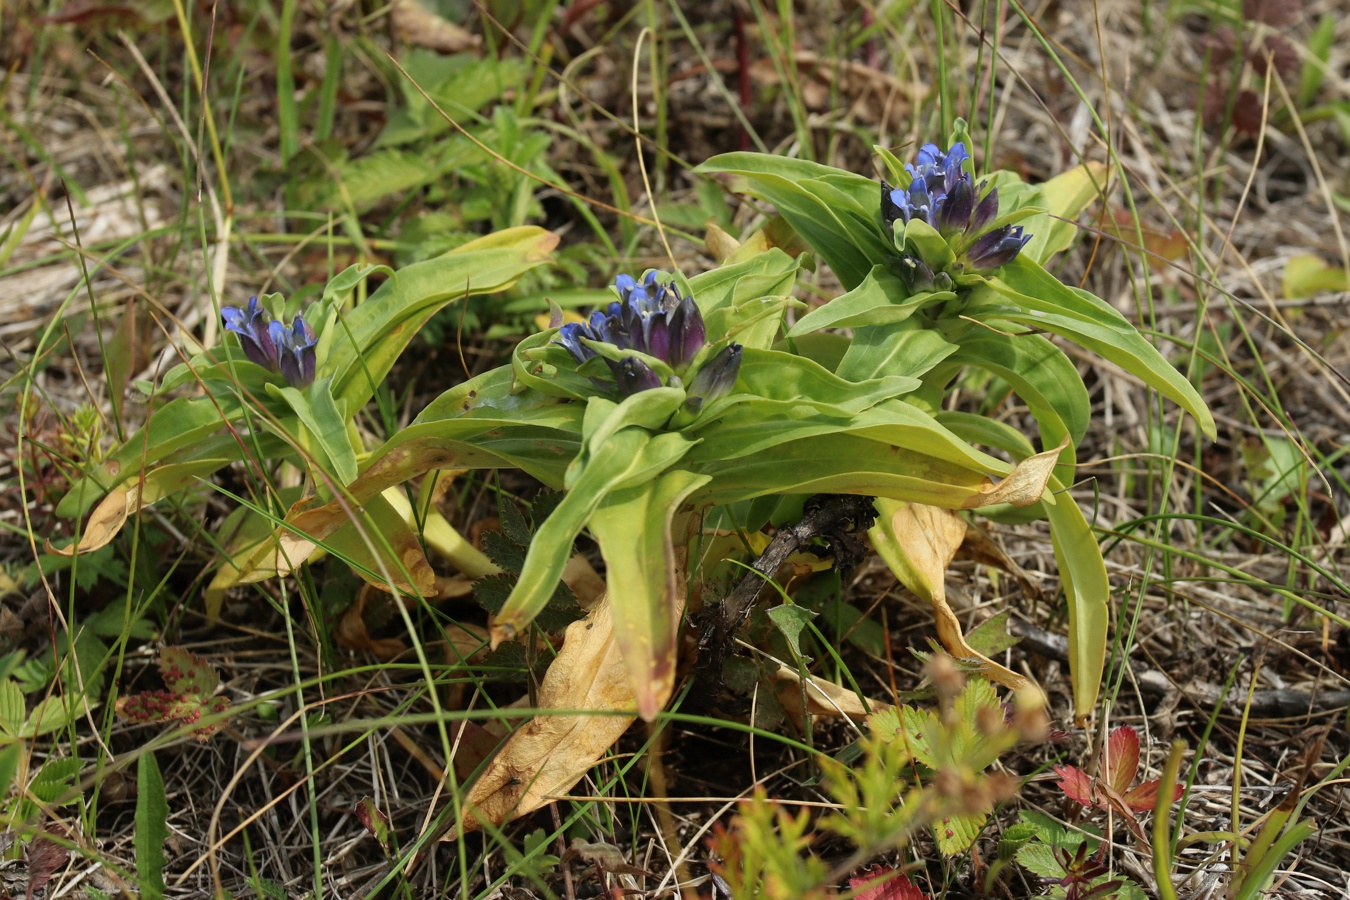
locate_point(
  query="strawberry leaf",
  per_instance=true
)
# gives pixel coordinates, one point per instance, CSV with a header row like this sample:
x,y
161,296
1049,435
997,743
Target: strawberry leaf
x,y
884,883
1120,758
1076,784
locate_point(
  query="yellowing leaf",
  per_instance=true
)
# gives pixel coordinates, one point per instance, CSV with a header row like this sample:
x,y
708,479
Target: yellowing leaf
x,y
587,683
1025,484
111,514
918,543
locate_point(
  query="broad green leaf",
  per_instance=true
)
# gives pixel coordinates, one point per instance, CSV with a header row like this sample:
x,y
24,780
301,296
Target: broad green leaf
x,y
1082,572
882,299
1062,198
842,464
325,420
778,381
903,348
745,301
373,335
152,814
643,577
619,459
796,187
1045,303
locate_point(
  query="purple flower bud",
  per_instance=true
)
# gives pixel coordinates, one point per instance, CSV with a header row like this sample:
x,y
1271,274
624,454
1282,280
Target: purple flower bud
x,y
296,353
632,375
986,212
715,377
687,332
997,248
954,215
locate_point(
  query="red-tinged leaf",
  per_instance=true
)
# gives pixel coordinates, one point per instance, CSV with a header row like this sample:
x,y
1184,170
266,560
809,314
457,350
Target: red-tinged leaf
x,y
884,883
187,673
374,821
1076,784
1120,759
1144,797
45,859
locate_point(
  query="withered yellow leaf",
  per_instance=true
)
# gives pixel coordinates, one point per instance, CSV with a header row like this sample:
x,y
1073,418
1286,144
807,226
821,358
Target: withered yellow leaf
x,y
1025,484
918,543
588,685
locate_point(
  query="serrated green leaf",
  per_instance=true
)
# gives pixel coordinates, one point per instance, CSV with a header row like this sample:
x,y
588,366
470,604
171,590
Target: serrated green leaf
x,y
956,834
507,553
513,524
1039,859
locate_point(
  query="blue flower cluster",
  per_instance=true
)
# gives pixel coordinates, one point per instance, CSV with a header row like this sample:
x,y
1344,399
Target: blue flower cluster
x,y
652,318
943,194
271,344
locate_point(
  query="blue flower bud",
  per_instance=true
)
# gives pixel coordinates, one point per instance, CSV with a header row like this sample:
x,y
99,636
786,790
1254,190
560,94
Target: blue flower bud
x,y
633,375
998,247
715,377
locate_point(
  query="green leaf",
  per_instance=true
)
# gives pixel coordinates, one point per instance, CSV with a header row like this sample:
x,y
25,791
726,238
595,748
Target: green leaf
x,y
830,214
991,636
635,529
908,348
957,833
13,708
1314,70
612,459
323,418
10,757
375,334
882,299
1307,274
1039,859
1082,573
1061,199
1043,302
791,620
152,812
178,425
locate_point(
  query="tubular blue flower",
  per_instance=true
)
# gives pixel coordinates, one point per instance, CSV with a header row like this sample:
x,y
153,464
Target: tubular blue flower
x,y
295,352
251,325
650,318
996,248
271,344
942,194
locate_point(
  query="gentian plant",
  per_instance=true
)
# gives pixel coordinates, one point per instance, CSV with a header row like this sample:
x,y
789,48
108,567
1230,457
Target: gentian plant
x,y
686,405
287,395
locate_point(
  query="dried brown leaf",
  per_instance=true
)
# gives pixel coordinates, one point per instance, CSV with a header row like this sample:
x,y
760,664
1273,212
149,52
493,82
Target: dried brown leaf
x,y
415,24
587,683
